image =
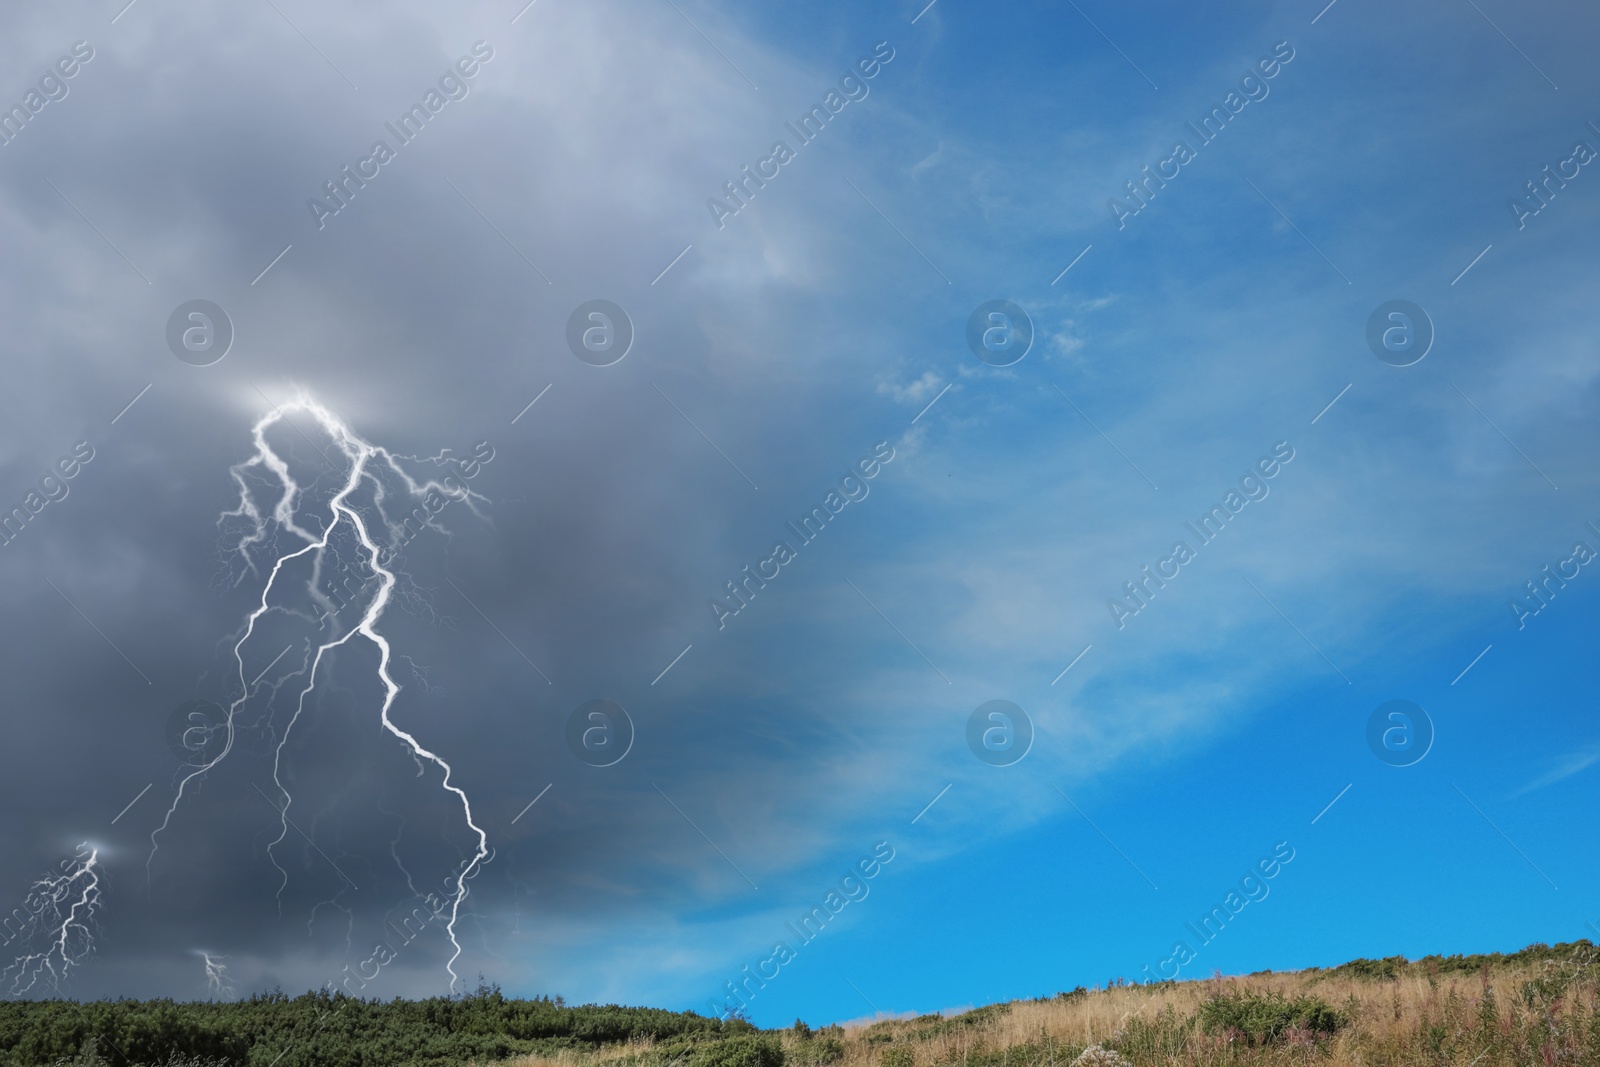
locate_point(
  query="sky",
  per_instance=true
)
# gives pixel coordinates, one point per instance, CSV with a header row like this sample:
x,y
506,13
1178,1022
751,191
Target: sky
x,y
405,581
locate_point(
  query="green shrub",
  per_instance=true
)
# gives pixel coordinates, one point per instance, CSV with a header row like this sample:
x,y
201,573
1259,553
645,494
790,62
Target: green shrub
x,y
1159,1040
896,1056
822,1049
977,1017
1266,1018
739,1052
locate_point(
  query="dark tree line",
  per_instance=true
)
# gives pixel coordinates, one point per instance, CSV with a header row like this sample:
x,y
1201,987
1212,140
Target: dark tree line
x,y
336,1030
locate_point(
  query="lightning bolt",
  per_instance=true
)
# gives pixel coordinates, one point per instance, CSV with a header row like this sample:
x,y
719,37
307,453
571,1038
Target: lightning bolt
x,y
394,850
71,933
369,466
216,974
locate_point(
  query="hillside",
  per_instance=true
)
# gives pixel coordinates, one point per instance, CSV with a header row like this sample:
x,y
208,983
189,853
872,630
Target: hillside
x,y
1539,1007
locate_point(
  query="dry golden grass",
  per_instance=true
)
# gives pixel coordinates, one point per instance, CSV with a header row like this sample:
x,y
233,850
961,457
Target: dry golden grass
x,y
1407,1021
1538,1010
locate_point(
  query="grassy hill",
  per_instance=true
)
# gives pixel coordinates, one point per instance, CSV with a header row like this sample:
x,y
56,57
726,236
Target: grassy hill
x,y
1539,1007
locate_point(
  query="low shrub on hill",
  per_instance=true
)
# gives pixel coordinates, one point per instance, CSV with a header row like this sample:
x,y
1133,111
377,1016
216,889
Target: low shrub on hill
x,y
1267,1017
742,1051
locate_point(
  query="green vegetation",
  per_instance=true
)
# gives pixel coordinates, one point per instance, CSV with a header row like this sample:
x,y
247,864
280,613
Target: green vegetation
x,y
742,1051
319,1030
1393,967
1264,1017
1539,1007
896,1056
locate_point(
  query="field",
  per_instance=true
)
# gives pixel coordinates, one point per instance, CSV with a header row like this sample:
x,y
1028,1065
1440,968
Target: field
x,y
1536,1008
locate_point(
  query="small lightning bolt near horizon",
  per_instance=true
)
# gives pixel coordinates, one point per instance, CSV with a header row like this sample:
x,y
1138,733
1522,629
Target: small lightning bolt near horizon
x,y
375,472
217,983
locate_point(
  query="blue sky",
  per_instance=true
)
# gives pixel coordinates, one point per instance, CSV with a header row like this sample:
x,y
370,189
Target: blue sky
x,y
1226,319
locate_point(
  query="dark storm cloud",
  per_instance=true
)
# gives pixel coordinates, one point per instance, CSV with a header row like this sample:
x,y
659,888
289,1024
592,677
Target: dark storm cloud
x,y
178,167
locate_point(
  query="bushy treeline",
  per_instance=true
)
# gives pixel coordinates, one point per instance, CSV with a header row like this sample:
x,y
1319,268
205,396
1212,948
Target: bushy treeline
x,y
1578,953
323,1030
